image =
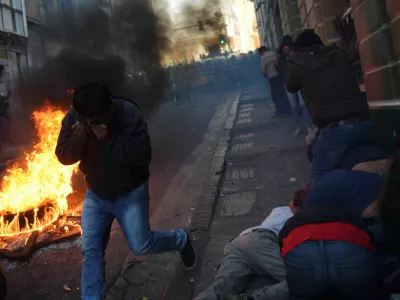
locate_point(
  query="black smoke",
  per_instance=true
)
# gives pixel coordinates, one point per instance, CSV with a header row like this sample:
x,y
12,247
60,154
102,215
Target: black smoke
x,y
121,49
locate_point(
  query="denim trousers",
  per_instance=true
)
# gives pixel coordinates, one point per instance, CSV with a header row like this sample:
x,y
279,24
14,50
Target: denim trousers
x,y
299,109
252,255
333,142
132,214
316,270
278,95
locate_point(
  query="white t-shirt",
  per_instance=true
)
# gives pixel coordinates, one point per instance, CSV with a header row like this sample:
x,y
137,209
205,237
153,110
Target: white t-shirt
x,y
274,221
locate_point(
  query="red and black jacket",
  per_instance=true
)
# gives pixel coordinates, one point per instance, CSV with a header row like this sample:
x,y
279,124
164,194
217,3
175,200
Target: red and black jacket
x,y
344,227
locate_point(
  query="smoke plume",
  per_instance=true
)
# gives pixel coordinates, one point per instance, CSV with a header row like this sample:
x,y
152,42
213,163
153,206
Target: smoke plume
x,y
121,49
187,40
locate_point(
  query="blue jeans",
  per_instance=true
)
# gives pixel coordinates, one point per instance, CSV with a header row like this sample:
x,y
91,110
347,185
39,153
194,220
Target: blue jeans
x,y
132,214
332,143
317,269
299,109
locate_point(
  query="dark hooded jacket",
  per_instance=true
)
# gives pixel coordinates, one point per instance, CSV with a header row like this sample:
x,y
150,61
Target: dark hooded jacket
x,y
119,164
282,66
319,214
326,80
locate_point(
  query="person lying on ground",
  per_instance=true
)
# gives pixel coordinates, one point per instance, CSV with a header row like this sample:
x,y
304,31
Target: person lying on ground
x,y
254,253
336,104
109,138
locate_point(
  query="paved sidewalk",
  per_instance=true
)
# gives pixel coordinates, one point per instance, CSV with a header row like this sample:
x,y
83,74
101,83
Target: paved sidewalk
x,y
265,164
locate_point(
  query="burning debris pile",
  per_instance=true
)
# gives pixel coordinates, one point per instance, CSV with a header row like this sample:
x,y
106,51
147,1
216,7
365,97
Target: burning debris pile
x,y
34,192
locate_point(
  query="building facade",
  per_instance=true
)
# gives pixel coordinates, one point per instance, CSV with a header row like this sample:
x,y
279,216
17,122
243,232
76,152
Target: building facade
x,y
368,29
13,46
269,22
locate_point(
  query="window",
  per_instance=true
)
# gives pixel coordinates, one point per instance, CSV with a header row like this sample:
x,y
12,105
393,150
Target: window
x,y
17,4
8,2
19,19
12,16
7,18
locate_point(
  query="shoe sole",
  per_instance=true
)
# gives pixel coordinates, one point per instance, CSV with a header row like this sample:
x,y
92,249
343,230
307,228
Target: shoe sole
x,y
194,265
195,254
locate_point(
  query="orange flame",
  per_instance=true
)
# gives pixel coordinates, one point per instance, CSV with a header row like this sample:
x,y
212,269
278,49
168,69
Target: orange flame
x,y
43,182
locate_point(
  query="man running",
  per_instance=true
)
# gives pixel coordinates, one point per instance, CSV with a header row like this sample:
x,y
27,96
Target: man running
x,y
109,138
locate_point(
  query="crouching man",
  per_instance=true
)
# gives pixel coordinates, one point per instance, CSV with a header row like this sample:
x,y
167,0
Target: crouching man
x,y
254,253
331,245
110,140
329,253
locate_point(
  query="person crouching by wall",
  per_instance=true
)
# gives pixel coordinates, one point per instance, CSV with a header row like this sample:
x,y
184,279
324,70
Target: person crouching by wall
x,y
329,253
336,104
299,108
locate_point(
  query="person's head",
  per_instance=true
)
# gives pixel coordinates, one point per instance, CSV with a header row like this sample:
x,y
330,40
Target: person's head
x,y
93,101
287,44
307,38
262,50
298,200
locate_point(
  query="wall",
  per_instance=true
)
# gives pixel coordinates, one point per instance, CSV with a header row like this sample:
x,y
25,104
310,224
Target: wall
x,y
36,51
290,15
378,32
319,15
378,28
269,22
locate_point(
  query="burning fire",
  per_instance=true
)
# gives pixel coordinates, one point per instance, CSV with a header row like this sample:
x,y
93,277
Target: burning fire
x,y
35,195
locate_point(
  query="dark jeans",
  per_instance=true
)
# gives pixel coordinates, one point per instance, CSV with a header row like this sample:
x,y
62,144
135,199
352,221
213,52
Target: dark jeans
x,y
317,269
279,96
332,143
132,214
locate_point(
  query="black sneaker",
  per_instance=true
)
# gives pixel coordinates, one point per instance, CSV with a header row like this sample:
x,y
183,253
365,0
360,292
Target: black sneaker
x,y
188,255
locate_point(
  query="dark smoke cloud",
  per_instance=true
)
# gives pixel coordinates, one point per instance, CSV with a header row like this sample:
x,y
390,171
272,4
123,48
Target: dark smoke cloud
x,y
193,40
116,50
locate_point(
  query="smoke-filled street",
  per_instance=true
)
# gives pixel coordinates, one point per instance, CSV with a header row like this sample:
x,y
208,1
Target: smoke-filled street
x,y
115,118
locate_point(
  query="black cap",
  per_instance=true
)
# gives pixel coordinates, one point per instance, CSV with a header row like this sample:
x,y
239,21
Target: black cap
x,y
308,38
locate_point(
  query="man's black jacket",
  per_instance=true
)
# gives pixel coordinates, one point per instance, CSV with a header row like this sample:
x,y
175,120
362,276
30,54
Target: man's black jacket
x,y
117,165
327,82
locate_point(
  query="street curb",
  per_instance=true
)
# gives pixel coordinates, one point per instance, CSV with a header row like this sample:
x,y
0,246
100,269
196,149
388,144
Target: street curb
x,y
210,191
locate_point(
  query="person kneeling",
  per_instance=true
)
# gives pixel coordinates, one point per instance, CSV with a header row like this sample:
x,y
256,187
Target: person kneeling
x,y
328,252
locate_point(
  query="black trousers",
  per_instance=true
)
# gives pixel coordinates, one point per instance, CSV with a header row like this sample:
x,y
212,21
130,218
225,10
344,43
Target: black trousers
x,y
279,96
